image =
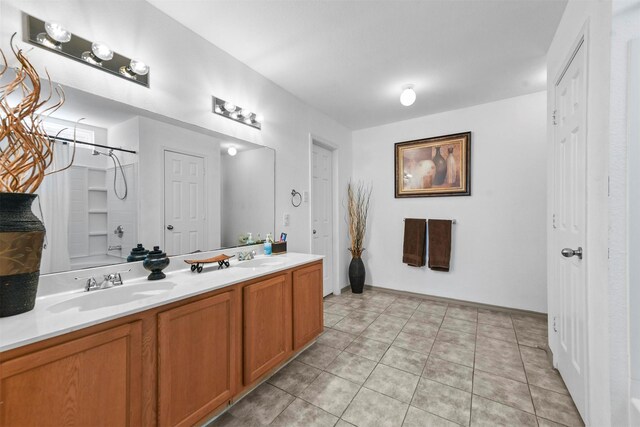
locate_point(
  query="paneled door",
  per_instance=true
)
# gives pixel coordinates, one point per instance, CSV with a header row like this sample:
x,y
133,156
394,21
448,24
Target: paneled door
x,y
322,205
184,203
570,254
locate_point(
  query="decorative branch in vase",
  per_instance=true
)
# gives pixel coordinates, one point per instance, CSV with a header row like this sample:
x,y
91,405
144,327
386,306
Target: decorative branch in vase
x,y
26,158
358,197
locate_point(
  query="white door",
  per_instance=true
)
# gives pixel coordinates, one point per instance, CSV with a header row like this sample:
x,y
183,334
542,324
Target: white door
x,y
184,202
569,226
322,205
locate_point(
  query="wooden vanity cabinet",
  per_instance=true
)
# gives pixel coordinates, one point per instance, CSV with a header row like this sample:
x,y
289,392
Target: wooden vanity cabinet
x,y
267,325
196,359
308,320
90,381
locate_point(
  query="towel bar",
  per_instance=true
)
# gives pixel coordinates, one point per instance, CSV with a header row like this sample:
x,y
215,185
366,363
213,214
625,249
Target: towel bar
x,y
453,221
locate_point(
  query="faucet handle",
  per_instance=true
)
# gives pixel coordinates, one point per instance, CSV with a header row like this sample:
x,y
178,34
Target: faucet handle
x,y
113,279
90,284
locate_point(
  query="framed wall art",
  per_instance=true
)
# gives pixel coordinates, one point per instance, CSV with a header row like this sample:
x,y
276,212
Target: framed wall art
x,y
432,167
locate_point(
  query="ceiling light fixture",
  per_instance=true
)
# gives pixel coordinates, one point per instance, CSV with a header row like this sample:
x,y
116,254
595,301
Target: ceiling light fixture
x,y
408,95
53,35
241,115
134,69
232,151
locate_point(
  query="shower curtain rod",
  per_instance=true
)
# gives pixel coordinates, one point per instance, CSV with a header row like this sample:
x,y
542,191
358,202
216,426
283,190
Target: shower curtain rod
x,y
67,140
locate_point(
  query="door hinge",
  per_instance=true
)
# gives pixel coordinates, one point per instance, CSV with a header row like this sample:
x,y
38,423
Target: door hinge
x,y
553,117
555,328
554,221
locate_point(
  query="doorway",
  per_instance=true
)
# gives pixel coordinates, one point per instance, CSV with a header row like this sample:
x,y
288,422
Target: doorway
x,y
184,202
322,203
569,254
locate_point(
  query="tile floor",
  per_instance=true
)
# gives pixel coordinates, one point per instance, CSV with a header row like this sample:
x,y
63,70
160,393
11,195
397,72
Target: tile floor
x,y
390,360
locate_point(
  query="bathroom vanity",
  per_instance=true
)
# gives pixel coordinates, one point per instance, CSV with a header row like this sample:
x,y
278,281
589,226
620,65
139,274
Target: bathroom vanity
x,y
172,352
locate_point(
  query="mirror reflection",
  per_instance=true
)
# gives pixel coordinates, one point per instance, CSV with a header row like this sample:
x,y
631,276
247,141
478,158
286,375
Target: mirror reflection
x,y
142,178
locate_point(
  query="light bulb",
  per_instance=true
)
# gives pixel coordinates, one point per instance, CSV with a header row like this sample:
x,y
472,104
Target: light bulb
x,y
233,115
247,120
408,96
245,113
259,118
229,107
232,151
57,32
218,109
138,67
101,51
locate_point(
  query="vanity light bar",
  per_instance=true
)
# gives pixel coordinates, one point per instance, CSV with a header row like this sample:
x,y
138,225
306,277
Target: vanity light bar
x,y
238,114
55,38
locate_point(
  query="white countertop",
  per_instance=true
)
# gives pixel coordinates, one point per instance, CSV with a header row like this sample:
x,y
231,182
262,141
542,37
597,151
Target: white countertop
x,y
68,311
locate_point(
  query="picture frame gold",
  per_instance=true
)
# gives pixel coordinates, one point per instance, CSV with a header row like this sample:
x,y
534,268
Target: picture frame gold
x,y
434,167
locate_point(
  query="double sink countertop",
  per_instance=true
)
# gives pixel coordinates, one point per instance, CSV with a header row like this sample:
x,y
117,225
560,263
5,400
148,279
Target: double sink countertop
x,y
68,311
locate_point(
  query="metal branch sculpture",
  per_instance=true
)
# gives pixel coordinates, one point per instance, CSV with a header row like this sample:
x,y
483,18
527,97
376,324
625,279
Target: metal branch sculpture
x,y
26,151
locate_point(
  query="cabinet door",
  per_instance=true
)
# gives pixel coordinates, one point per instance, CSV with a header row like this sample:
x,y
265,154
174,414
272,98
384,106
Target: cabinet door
x,y
267,325
90,381
196,356
307,304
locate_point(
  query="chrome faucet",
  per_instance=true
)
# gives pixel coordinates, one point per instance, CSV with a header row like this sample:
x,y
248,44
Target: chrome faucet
x,y
245,256
109,281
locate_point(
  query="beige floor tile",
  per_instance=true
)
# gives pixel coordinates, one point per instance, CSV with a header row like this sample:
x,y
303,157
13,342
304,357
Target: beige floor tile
x,y
535,357
453,353
459,325
547,378
399,310
409,301
487,413
294,377
495,318
451,374
228,420
462,312
427,317
502,390
369,348
442,400
512,369
390,321
363,315
331,319
418,418
381,332
336,339
330,393
413,342
262,405
532,339
393,382
546,423
433,307
339,309
301,413
555,407
461,339
351,367
372,409
318,355
351,325
343,423
415,327
497,332
406,360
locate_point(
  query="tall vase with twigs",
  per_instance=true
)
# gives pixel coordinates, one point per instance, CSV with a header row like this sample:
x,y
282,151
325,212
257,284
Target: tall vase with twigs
x,y
358,197
26,154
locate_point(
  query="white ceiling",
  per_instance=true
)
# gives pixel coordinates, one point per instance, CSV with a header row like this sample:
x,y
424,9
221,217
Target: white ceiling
x,y
350,59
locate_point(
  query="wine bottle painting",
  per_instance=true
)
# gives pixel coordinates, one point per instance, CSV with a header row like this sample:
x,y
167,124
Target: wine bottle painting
x,y
433,166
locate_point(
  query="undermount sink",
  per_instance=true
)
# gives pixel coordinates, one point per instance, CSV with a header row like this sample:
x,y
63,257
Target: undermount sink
x,y
113,296
260,262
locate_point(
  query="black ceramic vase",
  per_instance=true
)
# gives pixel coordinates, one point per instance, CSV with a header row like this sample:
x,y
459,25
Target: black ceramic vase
x,y
21,239
441,168
139,253
155,262
356,275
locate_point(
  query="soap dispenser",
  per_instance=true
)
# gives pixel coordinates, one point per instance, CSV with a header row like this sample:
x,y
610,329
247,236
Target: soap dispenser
x,y
267,244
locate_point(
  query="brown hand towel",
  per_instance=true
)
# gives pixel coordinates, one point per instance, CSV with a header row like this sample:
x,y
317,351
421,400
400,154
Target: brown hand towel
x,y
439,244
413,251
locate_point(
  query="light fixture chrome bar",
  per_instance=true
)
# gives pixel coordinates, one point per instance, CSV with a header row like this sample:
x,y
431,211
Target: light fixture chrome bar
x,y
238,114
80,49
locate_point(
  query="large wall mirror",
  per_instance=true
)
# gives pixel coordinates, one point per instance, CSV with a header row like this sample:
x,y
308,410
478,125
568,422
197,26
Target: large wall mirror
x,y
142,178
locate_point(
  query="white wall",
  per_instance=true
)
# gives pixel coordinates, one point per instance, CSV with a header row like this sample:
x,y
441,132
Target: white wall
x,y
594,19
246,206
185,71
499,239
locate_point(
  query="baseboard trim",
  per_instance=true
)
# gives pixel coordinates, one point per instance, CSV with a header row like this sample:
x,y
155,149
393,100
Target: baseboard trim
x,y
455,301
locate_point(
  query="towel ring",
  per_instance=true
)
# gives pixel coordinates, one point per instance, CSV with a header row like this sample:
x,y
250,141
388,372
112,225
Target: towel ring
x,y
295,194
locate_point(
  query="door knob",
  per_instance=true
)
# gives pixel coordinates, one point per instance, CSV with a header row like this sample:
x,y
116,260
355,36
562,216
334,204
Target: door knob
x,y
314,232
568,252
169,227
